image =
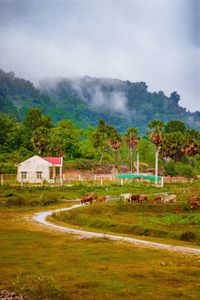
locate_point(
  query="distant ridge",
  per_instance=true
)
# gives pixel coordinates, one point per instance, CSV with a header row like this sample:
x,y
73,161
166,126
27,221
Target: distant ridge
x,y
85,100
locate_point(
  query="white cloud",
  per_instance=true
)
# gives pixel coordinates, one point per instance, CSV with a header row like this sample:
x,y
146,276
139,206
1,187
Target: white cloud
x,y
137,40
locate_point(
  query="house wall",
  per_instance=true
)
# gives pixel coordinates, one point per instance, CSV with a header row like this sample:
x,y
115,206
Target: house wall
x,y
31,166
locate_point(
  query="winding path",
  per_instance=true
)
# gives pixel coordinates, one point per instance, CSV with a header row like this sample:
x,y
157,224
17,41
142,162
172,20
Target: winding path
x,y
42,216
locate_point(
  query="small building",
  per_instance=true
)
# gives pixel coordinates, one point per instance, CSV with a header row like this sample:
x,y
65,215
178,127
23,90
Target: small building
x,y
37,169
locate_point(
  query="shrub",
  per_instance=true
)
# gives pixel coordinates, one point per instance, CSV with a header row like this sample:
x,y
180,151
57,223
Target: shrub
x,y
188,236
185,170
7,168
185,207
170,168
15,200
40,287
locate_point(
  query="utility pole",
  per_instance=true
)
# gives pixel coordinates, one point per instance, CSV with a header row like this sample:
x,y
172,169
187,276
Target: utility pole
x,y
156,165
131,158
138,163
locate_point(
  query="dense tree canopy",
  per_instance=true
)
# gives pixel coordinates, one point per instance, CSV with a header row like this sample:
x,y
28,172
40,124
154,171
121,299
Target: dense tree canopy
x,y
86,100
179,146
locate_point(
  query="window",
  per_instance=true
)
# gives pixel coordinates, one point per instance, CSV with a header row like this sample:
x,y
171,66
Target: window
x,y
39,175
50,172
23,175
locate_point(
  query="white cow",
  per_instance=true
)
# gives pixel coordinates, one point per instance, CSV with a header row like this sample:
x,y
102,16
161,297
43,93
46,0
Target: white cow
x,y
169,199
126,197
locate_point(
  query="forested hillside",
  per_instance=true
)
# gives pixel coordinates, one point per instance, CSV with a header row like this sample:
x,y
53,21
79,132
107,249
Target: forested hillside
x,y
85,100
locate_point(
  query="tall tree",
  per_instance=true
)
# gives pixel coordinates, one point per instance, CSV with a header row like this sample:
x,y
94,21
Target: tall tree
x,y
100,138
115,142
192,142
173,146
40,140
9,133
35,119
175,126
156,137
175,97
131,138
68,135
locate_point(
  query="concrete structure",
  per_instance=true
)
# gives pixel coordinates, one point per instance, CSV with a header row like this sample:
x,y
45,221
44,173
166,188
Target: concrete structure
x,y
37,169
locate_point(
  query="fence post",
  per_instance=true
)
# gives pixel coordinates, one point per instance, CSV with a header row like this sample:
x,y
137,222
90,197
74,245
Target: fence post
x,y
101,181
22,183
80,178
61,180
2,179
122,181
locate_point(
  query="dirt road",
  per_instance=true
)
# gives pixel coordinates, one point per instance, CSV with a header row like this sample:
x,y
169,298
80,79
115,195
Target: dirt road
x,y
42,216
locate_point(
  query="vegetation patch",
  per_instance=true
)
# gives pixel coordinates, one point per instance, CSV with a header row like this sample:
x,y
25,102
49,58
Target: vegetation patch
x,y
136,219
46,264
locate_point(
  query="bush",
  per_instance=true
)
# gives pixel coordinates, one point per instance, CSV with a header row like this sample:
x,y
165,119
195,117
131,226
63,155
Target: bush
x,y
82,164
8,168
14,200
170,168
40,287
185,170
185,207
188,236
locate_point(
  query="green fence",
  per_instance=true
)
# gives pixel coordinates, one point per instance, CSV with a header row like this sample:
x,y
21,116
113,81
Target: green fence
x,y
139,176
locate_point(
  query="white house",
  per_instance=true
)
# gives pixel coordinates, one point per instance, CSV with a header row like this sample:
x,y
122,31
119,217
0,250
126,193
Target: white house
x,y
36,169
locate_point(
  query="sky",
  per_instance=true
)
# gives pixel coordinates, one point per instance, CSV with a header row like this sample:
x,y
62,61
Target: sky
x,y
156,41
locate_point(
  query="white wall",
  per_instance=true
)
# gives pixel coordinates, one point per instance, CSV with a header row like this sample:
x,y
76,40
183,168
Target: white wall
x,y
31,166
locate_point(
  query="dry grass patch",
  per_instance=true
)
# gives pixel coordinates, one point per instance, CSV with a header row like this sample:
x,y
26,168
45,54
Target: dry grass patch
x,y
46,264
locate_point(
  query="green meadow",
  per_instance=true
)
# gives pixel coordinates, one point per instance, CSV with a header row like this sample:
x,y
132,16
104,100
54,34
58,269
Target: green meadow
x,y
46,264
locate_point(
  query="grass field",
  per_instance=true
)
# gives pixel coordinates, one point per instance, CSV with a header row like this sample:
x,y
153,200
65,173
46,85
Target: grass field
x,y
136,219
46,264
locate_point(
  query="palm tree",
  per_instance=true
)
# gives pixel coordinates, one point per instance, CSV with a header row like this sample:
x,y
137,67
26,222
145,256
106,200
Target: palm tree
x,y
115,142
174,146
100,138
192,142
131,138
156,137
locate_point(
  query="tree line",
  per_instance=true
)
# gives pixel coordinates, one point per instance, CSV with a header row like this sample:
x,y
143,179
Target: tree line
x,y
79,100
179,147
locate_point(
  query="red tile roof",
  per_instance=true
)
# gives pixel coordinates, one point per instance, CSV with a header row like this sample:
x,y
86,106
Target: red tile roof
x,y
54,160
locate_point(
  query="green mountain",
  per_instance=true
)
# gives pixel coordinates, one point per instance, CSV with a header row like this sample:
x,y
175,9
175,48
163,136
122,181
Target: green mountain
x,y
85,100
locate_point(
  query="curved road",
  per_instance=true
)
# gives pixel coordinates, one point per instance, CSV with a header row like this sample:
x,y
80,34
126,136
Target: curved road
x,y
42,216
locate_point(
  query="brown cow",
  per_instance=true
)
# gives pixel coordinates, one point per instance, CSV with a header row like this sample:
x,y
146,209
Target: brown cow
x,y
194,198
142,199
135,198
194,202
88,198
157,199
101,198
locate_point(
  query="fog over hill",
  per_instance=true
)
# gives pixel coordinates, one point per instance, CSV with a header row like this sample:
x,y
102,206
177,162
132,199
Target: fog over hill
x,y
85,100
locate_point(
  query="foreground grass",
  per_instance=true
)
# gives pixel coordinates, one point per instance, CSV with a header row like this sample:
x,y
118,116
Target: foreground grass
x,y
46,264
43,196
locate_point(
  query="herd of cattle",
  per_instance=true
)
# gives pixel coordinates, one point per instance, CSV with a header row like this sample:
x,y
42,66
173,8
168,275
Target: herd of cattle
x,y
144,198
193,201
